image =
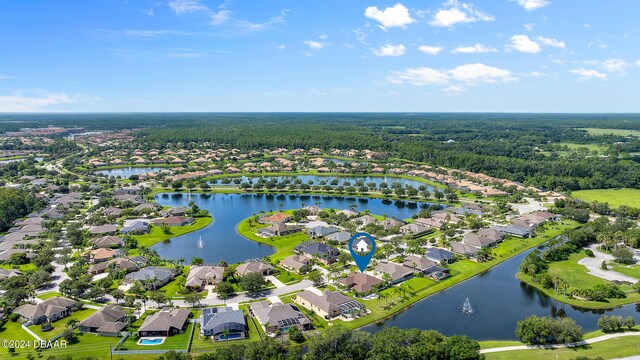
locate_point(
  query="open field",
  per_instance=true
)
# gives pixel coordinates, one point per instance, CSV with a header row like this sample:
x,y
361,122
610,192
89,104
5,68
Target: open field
x,y
619,132
577,276
614,197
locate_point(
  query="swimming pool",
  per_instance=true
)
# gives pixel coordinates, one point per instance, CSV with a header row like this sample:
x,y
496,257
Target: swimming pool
x,y
231,336
151,341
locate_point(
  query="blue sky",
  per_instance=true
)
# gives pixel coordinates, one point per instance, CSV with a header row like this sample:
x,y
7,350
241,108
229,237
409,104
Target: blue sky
x,y
330,55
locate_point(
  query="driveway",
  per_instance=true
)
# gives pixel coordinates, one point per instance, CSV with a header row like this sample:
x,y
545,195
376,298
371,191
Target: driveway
x,y
58,275
593,264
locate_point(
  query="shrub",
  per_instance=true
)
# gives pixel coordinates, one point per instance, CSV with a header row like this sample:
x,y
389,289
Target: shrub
x,y
589,253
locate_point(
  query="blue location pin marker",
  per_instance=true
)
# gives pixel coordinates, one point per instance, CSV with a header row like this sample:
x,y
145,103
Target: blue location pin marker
x,y
361,257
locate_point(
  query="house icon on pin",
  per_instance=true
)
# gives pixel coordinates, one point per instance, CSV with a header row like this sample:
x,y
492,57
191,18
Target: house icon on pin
x,y
362,246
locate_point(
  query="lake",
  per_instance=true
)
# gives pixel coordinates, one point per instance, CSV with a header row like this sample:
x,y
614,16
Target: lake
x,y
341,180
499,300
223,242
128,171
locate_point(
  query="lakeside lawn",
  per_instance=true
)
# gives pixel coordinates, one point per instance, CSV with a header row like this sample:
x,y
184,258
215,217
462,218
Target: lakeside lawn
x,y
156,234
284,244
614,197
578,277
609,349
460,270
61,324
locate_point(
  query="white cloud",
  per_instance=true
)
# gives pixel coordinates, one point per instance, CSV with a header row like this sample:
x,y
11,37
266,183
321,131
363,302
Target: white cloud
x,y
149,11
523,44
323,36
431,50
153,33
552,42
529,27
474,49
531,5
265,25
394,16
220,17
638,62
390,50
314,44
454,12
454,80
34,102
586,74
281,47
184,6
615,65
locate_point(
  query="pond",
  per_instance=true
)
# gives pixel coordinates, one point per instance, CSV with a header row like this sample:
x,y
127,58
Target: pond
x,y
498,300
332,180
128,171
223,242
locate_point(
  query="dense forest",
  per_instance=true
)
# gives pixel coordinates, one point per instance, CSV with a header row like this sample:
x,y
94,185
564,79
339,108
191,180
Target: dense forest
x,y
502,145
14,204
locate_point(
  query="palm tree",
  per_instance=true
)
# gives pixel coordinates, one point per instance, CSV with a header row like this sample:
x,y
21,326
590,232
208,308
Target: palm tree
x,y
225,333
71,323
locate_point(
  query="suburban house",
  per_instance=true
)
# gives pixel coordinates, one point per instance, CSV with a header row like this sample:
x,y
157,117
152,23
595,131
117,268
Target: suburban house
x,y
279,230
515,230
330,304
295,262
426,266
414,229
254,266
348,213
322,231
277,218
152,277
492,233
100,255
103,229
397,273
364,220
391,223
135,227
360,283
216,321
174,221
279,316
477,241
49,310
464,249
108,321
107,242
112,211
7,273
439,255
324,253
199,276
431,222
121,264
165,323
340,236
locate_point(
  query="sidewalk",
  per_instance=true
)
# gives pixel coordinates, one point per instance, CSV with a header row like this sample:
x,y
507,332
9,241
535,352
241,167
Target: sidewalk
x,y
576,344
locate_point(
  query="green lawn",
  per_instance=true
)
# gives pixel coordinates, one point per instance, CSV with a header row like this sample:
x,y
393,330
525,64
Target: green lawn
x,y
284,244
157,235
288,276
13,331
47,295
23,268
60,325
619,132
173,342
203,344
609,349
614,197
633,271
460,271
577,276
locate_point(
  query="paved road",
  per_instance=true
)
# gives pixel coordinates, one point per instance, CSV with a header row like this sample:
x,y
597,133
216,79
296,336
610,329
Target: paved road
x,y
579,343
58,275
593,264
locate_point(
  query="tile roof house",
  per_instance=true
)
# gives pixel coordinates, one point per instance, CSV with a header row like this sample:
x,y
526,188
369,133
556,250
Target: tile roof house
x,y
153,276
295,262
175,221
107,242
49,310
477,241
340,236
254,266
277,218
324,253
330,304
279,316
418,263
391,223
361,283
165,323
414,229
103,229
121,264
398,273
279,230
108,321
440,255
100,255
322,231
135,227
214,322
199,276
464,249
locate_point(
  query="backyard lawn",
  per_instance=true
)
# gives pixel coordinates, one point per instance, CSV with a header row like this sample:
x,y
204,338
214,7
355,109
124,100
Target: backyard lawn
x,y
614,197
202,344
156,234
48,295
61,324
173,342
